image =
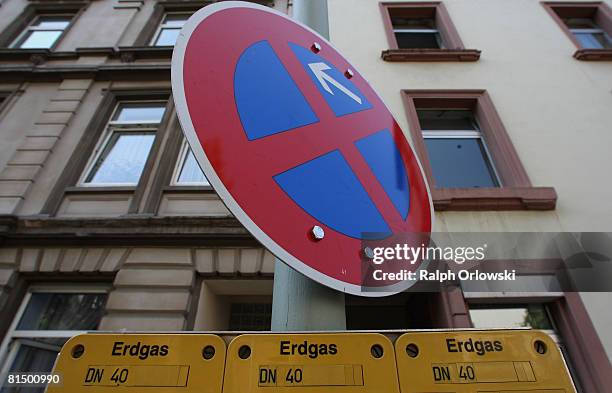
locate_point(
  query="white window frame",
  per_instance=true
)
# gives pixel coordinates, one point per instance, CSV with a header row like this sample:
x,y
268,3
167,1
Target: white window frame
x,y
179,166
163,25
32,28
117,126
8,356
465,134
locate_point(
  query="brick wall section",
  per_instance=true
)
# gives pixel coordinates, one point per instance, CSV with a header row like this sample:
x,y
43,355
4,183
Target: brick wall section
x,y
152,291
153,287
22,169
54,262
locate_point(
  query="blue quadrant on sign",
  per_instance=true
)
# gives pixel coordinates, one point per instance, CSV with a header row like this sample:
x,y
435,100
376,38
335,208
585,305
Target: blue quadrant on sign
x,y
328,190
267,99
388,168
341,95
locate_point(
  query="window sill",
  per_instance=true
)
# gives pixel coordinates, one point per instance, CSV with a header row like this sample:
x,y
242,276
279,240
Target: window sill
x,y
593,54
400,55
494,199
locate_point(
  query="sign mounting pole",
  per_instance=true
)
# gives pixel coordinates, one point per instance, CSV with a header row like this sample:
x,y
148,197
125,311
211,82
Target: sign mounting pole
x,y
299,303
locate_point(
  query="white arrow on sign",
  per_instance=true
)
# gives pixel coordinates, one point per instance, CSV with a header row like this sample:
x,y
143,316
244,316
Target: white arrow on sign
x,y
319,70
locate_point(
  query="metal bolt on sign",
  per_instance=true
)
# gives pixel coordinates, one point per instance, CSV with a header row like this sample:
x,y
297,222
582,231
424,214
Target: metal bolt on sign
x,y
412,350
377,351
315,47
78,351
540,347
318,233
244,352
208,352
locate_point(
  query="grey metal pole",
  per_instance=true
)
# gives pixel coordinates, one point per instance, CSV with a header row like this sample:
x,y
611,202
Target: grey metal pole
x,y
299,303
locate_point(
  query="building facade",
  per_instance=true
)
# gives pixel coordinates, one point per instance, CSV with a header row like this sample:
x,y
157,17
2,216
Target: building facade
x,y
107,223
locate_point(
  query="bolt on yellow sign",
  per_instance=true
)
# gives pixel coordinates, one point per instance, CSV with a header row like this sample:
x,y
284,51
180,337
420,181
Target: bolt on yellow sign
x,y
493,361
314,363
136,362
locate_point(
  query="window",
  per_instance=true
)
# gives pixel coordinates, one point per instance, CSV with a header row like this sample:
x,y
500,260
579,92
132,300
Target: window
x,y
422,32
457,152
45,321
121,156
43,32
250,316
416,32
467,155
188,172
588,26
588,33
169,29
511,316
533,316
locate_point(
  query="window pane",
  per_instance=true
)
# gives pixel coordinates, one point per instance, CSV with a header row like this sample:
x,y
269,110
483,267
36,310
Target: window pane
x,y
63,311
593,40
52,23
459,163
167,37
457,120
123,158
532,316
590,40
143,113
40,39
191,172
604,39
417,40
174,20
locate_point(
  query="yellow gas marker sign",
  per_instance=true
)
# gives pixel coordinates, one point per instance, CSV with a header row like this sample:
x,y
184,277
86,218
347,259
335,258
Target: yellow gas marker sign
x,y
276,363
141,362
494,361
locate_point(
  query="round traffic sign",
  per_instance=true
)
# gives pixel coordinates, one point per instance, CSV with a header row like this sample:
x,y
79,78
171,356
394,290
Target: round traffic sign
x,y
295,142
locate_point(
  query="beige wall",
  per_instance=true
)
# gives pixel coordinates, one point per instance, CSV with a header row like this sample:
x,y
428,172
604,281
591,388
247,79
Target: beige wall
x,y
557,110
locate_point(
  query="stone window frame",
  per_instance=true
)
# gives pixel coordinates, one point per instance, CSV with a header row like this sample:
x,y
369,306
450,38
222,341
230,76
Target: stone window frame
x,y
163,7
106,136
164,178
32,29
602,16
516,192
68,181
454,51
6,352
39,8
572,323
160,27
147,34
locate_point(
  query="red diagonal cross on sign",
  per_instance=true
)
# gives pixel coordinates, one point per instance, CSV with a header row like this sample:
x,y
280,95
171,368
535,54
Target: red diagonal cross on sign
x,y
243,170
